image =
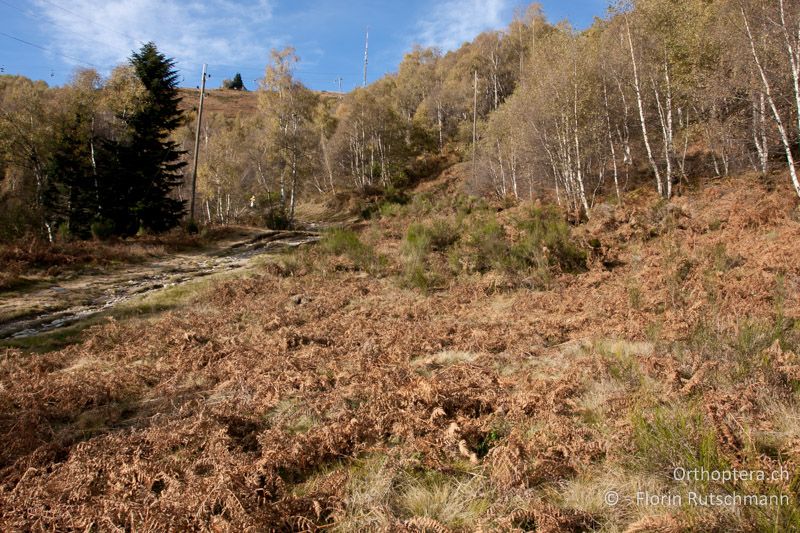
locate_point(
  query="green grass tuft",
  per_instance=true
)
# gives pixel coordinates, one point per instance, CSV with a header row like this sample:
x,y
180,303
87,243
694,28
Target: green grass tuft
x,y
346,243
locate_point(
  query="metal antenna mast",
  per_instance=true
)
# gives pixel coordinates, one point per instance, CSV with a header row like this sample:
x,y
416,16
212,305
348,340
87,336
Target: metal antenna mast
x,y
366,57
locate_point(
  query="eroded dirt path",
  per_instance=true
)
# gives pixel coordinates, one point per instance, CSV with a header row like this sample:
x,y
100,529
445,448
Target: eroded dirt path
x,y
68,301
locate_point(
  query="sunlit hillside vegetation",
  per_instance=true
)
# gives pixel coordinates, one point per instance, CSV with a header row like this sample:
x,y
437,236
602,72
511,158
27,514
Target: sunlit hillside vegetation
x,y
660,92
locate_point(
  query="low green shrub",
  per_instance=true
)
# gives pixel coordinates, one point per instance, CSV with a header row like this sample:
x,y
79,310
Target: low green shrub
x,y
394,195
546,241
666,438
438,236
390,209
102,229
192,228
542,245
63,233
346,243
486,245
419,242
465,205
421,205
276,217
443,234
419,277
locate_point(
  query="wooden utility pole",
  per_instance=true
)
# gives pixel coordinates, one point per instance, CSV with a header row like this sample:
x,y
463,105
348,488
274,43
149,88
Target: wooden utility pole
x,y
366,57
474,123
197,141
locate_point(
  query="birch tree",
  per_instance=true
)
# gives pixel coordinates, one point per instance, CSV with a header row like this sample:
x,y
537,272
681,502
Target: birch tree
x,y
780,121
288,108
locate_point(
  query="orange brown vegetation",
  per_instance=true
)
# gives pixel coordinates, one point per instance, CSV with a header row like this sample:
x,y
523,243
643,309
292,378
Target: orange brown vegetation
x,y
317,395
226,102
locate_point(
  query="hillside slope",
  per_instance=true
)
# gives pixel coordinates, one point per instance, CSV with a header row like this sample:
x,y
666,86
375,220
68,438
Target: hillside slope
x,y
329,392
226,102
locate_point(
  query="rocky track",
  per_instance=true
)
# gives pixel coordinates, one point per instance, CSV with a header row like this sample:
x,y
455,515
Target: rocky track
x,y
69,301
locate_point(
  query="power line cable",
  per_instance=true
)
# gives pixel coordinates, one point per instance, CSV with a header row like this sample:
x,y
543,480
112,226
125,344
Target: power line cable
x,y
32,16
76,15
40,47
302,72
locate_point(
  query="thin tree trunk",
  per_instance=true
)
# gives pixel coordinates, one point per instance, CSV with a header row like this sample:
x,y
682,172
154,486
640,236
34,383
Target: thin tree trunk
x,y
667,135
295,155
684,123
760,133
513,165
794,61
579,163
670,130
474,124
776,114
627,157
503,189
637,87
439,120
495,61
611,142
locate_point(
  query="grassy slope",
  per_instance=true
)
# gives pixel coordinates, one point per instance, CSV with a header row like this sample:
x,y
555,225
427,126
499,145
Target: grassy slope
x,y
322,391
229,103
226,102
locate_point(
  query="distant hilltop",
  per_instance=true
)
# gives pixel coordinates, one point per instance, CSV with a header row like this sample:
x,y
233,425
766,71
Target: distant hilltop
x,y
227,102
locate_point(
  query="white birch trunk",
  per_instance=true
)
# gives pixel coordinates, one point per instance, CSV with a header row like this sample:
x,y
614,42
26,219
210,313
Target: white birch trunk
x,y
578,161
776,114
670,130
638,89
667,136
760,133
794,61
611,142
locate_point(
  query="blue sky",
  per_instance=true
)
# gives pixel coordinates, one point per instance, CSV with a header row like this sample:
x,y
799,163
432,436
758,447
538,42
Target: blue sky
x,y
236,35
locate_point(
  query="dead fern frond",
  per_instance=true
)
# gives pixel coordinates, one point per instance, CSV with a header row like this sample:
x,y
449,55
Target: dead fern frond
x,y
657,524
424,524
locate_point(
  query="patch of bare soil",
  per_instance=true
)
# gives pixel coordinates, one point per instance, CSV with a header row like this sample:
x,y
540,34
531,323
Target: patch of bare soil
x,y
315,397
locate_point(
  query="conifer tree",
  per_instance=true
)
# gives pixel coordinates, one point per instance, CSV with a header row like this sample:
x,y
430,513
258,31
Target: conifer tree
x,y
146,167
235,84
69,198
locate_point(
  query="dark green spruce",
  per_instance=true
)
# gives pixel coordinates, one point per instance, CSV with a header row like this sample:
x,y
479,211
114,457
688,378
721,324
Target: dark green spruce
x,y
147,167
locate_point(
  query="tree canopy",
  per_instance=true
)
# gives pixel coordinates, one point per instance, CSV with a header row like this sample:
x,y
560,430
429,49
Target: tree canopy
x,y
96,154
658,93
235,84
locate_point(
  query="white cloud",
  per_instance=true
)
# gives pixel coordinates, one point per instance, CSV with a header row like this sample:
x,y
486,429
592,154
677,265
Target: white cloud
x,y
104,32
452,22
